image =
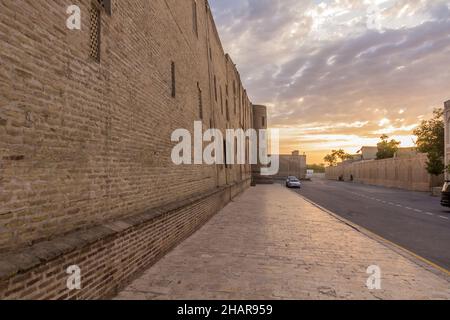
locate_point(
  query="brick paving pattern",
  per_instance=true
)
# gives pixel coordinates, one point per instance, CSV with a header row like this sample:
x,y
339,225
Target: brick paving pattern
x,y
272,244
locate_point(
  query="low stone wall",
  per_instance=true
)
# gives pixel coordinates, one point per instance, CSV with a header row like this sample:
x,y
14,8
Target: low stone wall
x,y
109,255
403,173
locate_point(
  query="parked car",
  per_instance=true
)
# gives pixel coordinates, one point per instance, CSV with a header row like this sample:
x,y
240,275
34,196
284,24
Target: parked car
x,y
293,182
445,199
290,178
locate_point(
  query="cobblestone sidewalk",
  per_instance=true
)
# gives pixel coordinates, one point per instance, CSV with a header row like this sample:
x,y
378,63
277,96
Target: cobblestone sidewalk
x,y
272,244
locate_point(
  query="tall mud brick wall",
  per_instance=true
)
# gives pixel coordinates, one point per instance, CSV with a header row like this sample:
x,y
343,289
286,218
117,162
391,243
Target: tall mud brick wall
x,y
86,118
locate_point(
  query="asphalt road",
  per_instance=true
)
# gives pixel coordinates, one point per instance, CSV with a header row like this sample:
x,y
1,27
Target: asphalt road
x,y
413,220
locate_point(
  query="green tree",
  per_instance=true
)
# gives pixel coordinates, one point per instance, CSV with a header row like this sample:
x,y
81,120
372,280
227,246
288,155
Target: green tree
x,y
330,159
431,140
341,154
386,148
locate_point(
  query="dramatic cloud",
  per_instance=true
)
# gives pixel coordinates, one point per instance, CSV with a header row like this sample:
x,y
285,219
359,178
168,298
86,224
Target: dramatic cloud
x,y
340,73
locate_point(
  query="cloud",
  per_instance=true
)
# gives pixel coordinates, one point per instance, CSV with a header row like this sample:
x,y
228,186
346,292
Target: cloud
x,y
321,66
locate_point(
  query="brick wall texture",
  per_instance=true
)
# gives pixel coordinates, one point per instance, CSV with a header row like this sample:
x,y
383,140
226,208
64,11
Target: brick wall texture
x,y
85,145
407,173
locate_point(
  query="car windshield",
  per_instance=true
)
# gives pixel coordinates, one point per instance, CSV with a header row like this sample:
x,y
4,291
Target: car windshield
x,y
295,180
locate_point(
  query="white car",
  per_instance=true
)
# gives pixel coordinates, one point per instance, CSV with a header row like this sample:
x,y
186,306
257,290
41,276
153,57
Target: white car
x,y
293,182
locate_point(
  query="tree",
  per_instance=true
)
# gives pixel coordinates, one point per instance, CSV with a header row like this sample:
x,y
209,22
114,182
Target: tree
x,y
431,140
336,155
341,154
435,164
330,159
386,148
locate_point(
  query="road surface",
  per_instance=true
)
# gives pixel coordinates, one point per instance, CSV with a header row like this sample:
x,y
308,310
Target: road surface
x,y
413,220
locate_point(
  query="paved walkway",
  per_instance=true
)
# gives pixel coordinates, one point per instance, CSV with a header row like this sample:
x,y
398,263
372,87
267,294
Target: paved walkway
x,y
272,244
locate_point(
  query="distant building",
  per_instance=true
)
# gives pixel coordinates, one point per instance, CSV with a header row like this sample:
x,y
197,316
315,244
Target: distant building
x,y
293,164
368,153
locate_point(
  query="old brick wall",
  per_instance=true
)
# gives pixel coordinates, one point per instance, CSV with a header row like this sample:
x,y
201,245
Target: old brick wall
x,y
86,142
404,173
82,142
108,255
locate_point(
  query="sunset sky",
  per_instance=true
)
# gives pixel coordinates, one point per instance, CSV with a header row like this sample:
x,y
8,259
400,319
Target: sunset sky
x,y
340,73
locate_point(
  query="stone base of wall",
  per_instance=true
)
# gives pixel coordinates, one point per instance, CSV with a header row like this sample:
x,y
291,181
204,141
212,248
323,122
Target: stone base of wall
x,y
263,180
109,255
259,179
